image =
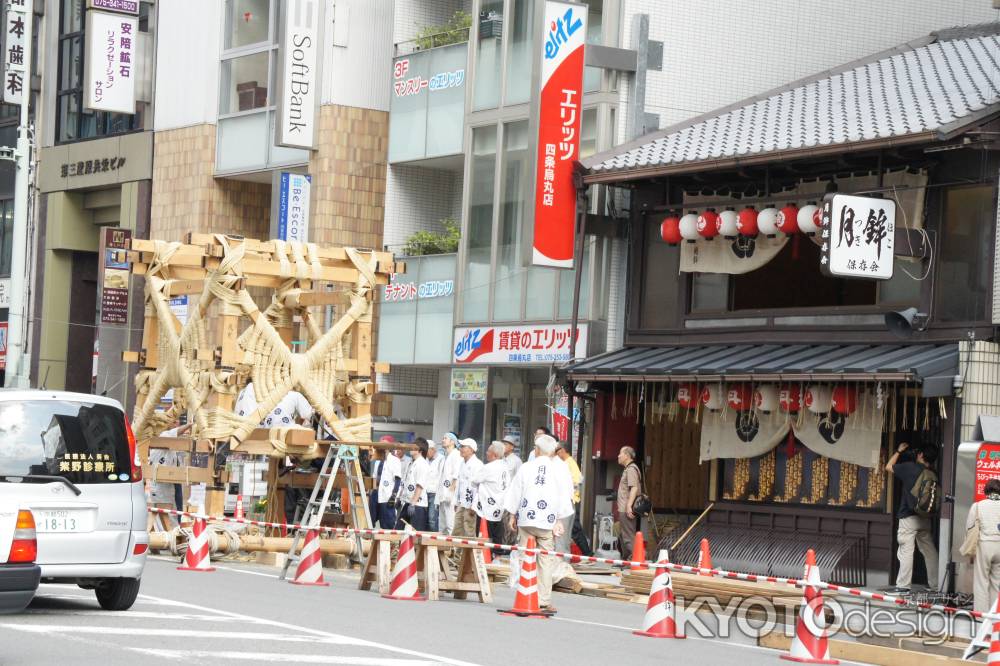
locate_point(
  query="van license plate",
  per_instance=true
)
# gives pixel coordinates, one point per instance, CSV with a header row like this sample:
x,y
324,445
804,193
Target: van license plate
x,y
58,521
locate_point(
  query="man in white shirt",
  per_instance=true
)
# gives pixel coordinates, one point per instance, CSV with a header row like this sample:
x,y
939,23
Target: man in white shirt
x,y
389,483
537,499
435,465
292,409
539,431
491,483
449,483
415,487
510,458
465,500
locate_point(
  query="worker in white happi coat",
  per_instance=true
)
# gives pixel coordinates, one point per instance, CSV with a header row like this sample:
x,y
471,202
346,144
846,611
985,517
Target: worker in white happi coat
x,y
449,483
415,487
491,483
435,467
466,521
537,499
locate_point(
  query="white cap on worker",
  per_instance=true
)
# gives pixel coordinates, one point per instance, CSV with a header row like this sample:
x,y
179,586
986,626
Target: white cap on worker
x,y
431,444
469,442
546,444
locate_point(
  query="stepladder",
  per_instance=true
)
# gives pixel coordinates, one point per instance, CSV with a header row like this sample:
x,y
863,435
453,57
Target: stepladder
x,y
339,457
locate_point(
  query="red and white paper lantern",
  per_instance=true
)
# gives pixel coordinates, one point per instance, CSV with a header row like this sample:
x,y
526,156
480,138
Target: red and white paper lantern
x,y
711,397
708,224
845,399
818,399
790,398
746,221
728,224
688,396
670,230
788,220
689,227
739,397
765,398
767,222
810,219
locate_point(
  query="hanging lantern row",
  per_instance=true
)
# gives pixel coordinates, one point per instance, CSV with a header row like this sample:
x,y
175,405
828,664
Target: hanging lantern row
x,y
749,222
766,398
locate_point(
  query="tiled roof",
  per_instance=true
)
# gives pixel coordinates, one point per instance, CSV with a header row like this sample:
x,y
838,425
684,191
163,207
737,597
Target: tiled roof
x,y
936,86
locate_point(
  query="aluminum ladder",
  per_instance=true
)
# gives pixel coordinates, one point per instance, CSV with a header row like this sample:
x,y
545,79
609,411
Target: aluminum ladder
x,y
346,457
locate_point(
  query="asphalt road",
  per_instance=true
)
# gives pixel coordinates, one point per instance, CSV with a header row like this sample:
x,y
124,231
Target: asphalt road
x,y
243,614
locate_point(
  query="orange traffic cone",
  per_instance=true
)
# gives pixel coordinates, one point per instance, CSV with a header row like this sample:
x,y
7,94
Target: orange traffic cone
x,y
484,531
639,552
403,586
704,557
526,600
994,656
809,645
310,569
659,620
198,557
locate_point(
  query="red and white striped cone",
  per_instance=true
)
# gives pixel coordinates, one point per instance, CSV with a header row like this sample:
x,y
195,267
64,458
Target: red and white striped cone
x,y
993,659
310,569
526,599
810,644
197,557
403,586
659,621
239,507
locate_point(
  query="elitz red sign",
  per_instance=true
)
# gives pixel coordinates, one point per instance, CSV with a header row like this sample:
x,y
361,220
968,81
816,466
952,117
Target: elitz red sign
x,y
987,467
560,108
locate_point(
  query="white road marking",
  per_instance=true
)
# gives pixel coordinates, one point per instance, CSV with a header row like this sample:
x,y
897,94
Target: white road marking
x,y
187,655
182,633
131,614
314,632
220,567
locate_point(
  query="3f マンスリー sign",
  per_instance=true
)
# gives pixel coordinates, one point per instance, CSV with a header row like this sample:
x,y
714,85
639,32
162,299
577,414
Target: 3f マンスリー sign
x,y
857,237
560,109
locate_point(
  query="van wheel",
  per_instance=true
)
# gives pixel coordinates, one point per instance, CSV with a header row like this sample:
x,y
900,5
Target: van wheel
x,y
117,594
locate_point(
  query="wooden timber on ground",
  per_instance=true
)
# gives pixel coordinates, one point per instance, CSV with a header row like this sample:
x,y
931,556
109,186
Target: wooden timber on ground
x,y
692,585
863,652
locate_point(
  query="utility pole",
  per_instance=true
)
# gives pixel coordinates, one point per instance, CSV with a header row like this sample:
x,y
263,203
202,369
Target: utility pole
x,y
17,317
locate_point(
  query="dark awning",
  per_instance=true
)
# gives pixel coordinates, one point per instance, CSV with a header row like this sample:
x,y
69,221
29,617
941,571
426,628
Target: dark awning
x,y
934,366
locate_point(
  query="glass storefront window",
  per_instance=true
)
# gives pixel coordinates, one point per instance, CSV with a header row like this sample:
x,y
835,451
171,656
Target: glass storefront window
x,y
519,58
248,22
541,293
479,236
510,274
244,83
489,55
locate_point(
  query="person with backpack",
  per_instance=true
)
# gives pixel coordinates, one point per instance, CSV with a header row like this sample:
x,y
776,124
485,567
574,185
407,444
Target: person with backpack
x,y
919,500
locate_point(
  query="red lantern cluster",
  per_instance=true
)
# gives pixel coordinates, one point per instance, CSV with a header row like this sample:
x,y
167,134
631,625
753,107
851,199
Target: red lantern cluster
x,y
789,220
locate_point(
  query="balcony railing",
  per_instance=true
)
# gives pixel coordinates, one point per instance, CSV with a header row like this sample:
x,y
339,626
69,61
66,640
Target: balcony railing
x,y
446,38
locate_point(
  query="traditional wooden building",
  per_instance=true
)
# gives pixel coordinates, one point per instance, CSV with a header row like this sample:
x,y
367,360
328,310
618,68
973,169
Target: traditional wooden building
x,y
754,379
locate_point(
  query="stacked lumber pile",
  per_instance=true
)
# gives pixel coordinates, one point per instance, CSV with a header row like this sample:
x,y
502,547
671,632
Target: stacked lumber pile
x,y
692,585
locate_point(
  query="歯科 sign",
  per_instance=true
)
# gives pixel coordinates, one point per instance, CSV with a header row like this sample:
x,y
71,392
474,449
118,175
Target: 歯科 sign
x,y
468,384
15,21
114,276
541,344
559,114
987,467
111,51
292,224
295,126
857,235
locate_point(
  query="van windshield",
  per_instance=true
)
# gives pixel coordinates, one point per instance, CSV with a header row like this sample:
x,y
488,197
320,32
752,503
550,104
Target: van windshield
x,y
85,443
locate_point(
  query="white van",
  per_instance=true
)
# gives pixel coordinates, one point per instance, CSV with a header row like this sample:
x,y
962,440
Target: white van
x,y
71,458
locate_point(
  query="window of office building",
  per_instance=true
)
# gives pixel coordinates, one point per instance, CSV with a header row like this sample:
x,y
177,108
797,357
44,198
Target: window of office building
x,y
519,58
248,58
514,183
479,237
489,55
73,122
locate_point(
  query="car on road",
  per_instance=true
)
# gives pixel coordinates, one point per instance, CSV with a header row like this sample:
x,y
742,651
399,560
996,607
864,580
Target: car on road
x,y
18,547
72,459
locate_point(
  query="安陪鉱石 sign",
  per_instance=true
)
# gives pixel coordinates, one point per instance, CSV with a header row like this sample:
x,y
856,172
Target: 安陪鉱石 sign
x,y
857,236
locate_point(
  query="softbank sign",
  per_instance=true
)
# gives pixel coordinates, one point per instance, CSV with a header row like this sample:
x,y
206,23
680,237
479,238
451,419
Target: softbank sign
x,y
300,44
